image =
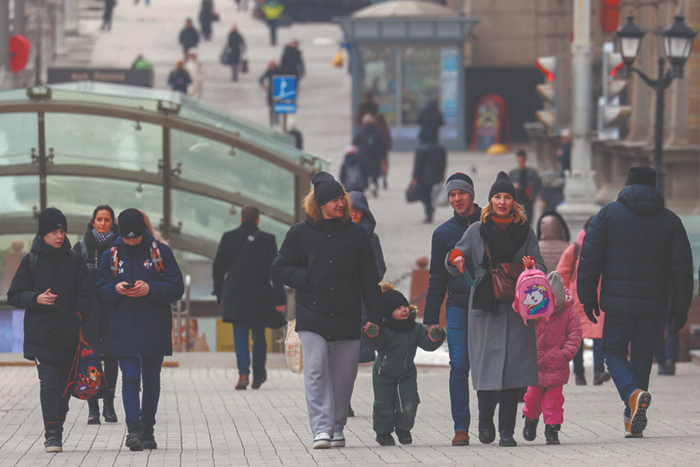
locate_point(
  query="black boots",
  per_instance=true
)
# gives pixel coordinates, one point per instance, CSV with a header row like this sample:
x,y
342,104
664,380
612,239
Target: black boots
x,y
108,409
54,440
149,441
134,438
580,380
551,434
404,436
93,412
487,430
385,440
530,429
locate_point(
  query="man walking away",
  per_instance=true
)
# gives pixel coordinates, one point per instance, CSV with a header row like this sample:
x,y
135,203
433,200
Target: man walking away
x,y
291,62
429,170
179,79
53,285
527,185
266,83
236,49
460,193
643,253
251,298
107,18
206,17
272,10
189,37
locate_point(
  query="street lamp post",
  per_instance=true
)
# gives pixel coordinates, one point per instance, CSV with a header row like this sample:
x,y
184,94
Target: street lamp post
x,y
678,41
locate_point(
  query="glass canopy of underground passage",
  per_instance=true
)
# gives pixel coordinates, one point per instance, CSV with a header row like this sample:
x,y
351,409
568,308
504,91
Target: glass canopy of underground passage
x,y
189,167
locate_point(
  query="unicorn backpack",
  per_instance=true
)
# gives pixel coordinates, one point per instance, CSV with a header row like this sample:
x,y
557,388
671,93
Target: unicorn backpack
x,y
533,293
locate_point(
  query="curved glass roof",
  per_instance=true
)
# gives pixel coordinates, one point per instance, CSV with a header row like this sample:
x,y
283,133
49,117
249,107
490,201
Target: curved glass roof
x,y
189,167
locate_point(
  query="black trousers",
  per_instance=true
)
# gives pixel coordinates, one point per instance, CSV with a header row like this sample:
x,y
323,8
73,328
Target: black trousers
x,y
53,379
508,398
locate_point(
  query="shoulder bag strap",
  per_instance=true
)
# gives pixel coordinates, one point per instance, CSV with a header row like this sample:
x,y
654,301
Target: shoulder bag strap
x,y
488,253
249,240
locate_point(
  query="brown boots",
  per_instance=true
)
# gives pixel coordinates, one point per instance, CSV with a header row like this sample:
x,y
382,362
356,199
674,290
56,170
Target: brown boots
x,y
242,382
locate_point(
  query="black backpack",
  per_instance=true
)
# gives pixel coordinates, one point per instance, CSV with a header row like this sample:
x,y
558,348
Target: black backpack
x,y
75,258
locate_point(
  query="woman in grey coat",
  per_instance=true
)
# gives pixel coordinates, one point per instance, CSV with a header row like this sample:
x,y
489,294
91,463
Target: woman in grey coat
x,y
502,349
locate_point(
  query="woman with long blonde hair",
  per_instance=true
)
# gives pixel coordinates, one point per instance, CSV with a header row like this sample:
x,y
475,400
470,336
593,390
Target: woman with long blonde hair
x,y
502,349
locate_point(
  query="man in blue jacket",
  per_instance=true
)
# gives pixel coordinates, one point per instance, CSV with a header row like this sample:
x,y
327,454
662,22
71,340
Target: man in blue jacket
x,y
643,253
139,278
460,192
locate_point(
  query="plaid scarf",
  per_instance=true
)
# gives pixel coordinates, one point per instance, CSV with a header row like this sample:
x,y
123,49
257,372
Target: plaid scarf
x,y
102,237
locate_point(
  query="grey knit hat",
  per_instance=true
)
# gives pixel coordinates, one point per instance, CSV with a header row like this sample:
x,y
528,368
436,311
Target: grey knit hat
x,y
558,289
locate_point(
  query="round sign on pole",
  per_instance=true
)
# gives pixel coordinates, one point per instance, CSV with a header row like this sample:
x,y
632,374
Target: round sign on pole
x,y
19,52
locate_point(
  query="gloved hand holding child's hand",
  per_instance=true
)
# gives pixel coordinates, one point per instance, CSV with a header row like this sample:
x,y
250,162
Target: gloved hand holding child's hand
x,y
436,334
371,329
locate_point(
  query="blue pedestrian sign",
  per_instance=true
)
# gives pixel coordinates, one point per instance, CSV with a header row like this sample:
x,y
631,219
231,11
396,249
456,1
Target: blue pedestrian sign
x,y
284,94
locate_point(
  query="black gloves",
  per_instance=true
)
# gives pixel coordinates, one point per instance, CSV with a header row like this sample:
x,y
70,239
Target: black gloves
x,y
680,319
590,309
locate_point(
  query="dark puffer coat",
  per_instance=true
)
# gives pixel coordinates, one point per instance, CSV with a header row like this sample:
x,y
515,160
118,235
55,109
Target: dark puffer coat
x,y
641,249
51,332
331,265
444,240
243,284
97,328
141,326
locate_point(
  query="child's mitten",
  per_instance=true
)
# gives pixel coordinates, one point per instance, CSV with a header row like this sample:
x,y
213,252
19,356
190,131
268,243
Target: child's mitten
x,y
436,334
372,330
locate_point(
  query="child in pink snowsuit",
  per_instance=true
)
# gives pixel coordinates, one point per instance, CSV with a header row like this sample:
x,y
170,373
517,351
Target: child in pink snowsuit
x,y
558,341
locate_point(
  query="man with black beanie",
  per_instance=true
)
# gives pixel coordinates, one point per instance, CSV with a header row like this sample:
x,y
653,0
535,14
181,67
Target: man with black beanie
x,y
460,193
329,260
642,251
53,285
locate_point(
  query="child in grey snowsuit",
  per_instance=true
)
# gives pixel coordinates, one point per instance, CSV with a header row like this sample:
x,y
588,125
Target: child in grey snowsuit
x,y
394,376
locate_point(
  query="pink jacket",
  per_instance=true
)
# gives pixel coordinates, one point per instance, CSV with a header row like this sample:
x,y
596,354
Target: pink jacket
x,y
558,340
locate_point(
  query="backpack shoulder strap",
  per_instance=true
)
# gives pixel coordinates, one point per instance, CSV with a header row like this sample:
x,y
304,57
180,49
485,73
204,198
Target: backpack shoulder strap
x,y
33,262
83,249
114,261
156,258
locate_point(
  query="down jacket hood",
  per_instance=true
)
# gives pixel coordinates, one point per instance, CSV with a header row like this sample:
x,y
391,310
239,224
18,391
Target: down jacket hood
x,y
552,226
359,201
643,200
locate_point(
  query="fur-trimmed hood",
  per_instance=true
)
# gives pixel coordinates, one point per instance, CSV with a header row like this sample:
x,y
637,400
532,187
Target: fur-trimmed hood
x,y
313,210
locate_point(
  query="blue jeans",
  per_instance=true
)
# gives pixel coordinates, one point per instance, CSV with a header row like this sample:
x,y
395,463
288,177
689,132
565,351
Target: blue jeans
x,y
598,363
639,334
667,347
457,338
134,369
241,343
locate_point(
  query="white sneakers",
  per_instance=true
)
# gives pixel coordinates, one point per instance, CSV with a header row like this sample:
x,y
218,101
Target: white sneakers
x,y
322,441
326,441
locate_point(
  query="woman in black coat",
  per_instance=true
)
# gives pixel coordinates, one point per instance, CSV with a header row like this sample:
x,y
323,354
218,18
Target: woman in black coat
x,y
206,17
236,46
372,149
101,233
430,121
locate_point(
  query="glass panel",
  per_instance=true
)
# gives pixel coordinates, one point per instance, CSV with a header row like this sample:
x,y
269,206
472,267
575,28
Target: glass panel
x,y
19,133
379,77
366,29
14,95
12,250
80,195
449,30
421,29
421,80
114,94
394,30
108,142
629,46
210,162
20,194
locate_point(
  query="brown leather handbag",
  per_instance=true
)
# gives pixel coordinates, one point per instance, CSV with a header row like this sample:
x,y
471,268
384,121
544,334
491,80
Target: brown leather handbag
x,y
504,277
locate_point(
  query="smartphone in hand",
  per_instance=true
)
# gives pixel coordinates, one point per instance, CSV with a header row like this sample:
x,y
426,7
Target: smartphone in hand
x,y
129,286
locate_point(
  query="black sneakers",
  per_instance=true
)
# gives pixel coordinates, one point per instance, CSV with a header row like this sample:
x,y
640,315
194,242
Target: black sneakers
x,y
530,429
404,436
134,438
385,440
580,380
93,412
149,441
53,441
507,441
551,434
600,377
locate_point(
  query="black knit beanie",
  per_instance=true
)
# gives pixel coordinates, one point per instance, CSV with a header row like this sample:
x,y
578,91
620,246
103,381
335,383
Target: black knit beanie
x,y
51,219
391,300
502,185
326,188
641,175
131,223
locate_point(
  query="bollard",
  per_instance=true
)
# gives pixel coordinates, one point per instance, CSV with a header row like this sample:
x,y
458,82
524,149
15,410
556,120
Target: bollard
x,y
419,288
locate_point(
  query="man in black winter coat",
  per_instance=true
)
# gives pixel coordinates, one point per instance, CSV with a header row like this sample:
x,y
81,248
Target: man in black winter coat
x,y
53,285
429,170
189,37
251,297
460,193
643,253
328,259
236,47
291,62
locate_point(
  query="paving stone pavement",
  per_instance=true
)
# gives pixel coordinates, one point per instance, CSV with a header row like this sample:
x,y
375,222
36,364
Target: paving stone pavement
x,y
203,421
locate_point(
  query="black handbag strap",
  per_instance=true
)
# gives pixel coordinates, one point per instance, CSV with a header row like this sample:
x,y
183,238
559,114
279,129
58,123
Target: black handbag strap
x,y
249,240
488,253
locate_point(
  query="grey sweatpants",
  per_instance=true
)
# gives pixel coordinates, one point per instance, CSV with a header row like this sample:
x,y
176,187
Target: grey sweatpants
x,y
330,369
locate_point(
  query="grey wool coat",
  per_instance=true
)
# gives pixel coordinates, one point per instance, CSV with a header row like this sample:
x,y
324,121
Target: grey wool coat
x,y
502,349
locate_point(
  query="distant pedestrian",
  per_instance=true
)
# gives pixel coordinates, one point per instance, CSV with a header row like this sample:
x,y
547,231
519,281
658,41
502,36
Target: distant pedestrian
x,y
502,349
272,10
564,152
295,133
292,62
460,194
53,286
146,2
642,251
328,287
394,375
251,298
189,37
266,83
141,63
101,232
367,106
236,50
430,121
567,268
241,5
195,70
386,132
140,278
527,184
428,170
553,235
179,79
352,176
372,149
107,17
667,351
206,17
